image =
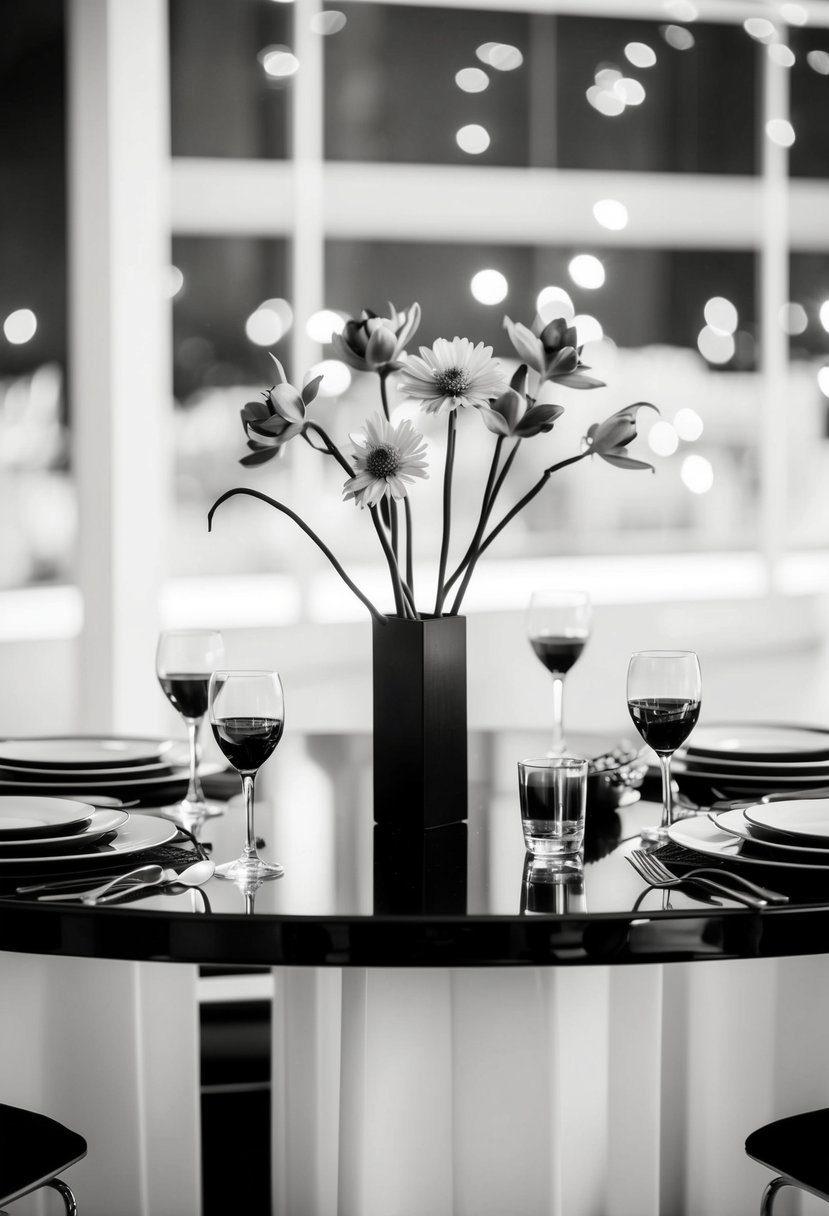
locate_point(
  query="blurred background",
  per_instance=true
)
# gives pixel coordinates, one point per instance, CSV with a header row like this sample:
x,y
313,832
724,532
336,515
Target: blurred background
x,y
190,184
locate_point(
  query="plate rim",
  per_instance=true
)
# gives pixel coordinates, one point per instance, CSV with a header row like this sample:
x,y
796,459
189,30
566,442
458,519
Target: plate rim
x,y
737,813
674,833
734,727
789,831
95,833
165,830
159,746
71,825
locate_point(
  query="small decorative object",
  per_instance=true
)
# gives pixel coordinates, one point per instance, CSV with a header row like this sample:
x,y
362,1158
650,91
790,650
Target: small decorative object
x,y
457,380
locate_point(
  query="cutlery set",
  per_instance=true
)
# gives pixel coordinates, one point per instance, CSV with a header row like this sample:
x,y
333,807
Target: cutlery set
x,y
121,885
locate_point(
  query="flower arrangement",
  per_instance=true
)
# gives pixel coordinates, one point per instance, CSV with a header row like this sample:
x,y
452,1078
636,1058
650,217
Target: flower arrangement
x,y
386,458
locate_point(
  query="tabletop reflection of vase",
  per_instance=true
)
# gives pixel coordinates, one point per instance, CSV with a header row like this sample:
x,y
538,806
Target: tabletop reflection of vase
x,y
547,887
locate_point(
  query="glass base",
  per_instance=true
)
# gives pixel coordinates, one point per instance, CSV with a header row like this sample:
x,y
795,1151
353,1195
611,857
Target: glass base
x,y
187,813
654,835
249,870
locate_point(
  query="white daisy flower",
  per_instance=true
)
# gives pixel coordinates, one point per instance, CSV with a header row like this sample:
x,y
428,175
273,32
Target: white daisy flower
x,y
386,458
452,374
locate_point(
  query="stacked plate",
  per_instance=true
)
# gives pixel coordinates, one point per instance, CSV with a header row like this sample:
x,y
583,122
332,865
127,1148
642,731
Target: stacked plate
x,y
95,767
749,760
38,829
793,833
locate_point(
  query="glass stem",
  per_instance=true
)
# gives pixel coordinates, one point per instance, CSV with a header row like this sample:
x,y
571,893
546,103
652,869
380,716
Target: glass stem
x,y
250,839
667,793
194,790
558,745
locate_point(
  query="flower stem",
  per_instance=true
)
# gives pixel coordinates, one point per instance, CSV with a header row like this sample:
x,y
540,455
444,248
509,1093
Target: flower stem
x,y
409,543
330,447
486,508
528,497
470,559
447,512
384,395
393,526
400,601
378,616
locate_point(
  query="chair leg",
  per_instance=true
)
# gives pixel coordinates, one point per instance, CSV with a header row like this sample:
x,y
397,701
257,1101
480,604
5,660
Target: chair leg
x,y
770,1194
65,1192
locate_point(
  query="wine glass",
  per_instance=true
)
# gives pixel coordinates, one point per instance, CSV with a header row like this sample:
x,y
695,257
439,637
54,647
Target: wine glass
x,y
558,626
247,715
184,662
663,693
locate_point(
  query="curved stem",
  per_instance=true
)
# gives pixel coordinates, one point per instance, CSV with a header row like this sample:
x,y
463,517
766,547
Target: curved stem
x,y
393,526
447,512
528,497
383,394
483,516
330,447
378,616
470,558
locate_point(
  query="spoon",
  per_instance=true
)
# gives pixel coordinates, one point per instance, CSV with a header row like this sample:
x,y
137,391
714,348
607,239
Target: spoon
x,y
193,876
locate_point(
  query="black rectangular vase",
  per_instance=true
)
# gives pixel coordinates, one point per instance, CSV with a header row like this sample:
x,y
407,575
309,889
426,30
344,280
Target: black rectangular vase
x,y
420,741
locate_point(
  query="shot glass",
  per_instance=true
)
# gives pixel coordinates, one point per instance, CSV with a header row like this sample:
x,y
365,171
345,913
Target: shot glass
x,y
550,886
553,794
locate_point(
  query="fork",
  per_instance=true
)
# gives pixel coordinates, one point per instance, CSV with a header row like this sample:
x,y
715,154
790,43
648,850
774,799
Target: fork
x,y
657,875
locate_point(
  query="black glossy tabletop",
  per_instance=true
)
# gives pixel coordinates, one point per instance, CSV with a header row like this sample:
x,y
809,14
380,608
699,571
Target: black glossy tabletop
x,y
357,894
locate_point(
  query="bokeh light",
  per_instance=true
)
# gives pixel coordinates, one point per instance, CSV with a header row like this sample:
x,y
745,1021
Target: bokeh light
x,y
715,347
175,282
473,139
269,322
278,62
640,54
721,315
793,318
330,22
697,473
818,61
631,91
663,439
489,287
321,325
781,54
795,14
688,424
472,80
554,302
678,37
823,314
588,328
780,131
20,326
500,55
586,271
681,10
610,213
336,377
759,28
823,380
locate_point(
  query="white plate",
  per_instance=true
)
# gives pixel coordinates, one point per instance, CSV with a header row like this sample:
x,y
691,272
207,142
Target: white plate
x,y
101,824
93,781
759,741
138,833
800,817
700,834
735,823
81,751
23,816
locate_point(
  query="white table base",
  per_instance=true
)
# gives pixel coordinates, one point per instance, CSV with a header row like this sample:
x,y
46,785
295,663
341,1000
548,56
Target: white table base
x,y
624,1091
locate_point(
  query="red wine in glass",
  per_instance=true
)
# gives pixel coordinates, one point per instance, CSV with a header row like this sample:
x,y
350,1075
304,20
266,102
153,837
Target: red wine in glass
x,y
184,661
558,626
663,696
247,716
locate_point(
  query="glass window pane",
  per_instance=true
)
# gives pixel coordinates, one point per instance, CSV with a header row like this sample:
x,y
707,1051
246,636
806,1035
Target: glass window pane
x,y
227,98
809,77
37,502
807,401
431,85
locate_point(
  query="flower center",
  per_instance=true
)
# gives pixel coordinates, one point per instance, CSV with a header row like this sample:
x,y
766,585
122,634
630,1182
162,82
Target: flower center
x,y
383,460
452,382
